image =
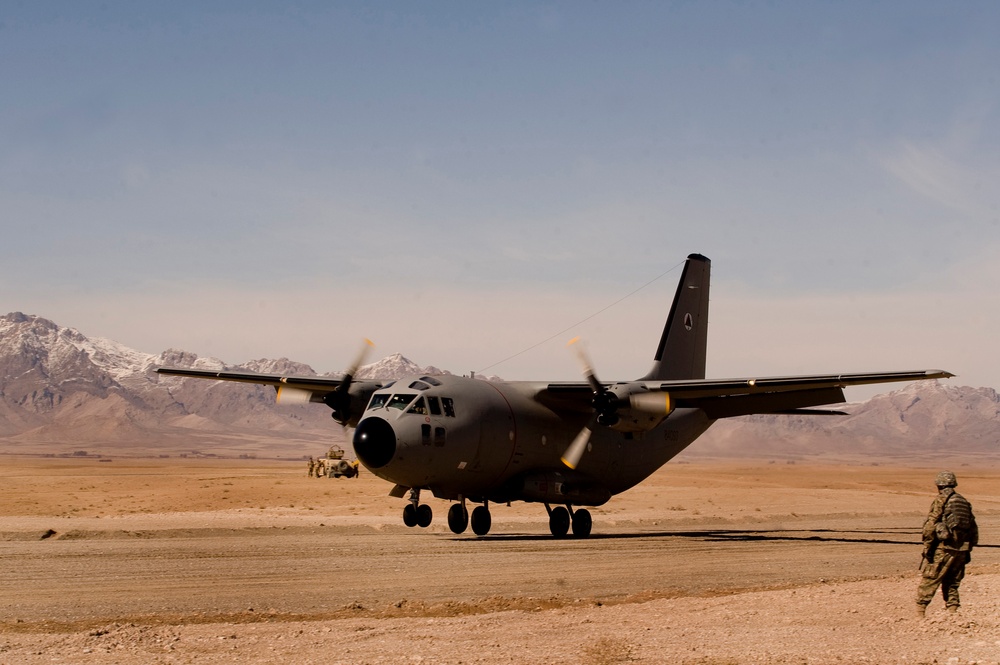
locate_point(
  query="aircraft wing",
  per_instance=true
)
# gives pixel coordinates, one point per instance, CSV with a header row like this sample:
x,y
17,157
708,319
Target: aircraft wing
x,y
290,389
316,383
726,398
344,395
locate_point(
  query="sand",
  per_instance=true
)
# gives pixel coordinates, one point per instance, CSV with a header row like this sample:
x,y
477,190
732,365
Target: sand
x,y
186,560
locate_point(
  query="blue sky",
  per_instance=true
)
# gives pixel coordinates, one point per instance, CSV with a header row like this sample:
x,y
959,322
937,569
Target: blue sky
x,y
461,181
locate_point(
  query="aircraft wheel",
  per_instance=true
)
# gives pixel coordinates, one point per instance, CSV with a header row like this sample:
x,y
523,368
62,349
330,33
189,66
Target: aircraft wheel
x,y
559,522
424,515
582,522
410,515
458,518
481,521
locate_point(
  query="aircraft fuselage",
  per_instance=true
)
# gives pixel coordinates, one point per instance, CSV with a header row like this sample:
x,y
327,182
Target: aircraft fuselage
x,y
494,441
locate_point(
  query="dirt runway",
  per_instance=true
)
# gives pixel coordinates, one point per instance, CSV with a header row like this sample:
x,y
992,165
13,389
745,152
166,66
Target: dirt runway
x,y
153,550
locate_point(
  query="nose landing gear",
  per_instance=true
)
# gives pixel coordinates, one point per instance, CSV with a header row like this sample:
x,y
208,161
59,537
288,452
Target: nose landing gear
x,y
416,513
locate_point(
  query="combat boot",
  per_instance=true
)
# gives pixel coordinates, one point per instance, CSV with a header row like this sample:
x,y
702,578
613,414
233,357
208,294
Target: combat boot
x,y
921,611
953,608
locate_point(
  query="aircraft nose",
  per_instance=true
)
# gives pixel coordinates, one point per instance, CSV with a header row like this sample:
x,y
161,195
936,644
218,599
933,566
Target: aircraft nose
x,y
374,442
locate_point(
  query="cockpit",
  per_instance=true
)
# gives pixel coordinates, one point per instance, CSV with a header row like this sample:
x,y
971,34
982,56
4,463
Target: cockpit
x,y
416,403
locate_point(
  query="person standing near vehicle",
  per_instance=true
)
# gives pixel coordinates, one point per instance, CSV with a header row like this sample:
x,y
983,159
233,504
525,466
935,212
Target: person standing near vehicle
x,y
950,533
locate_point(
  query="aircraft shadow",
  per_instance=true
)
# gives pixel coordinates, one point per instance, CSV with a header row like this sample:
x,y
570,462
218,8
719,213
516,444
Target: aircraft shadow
x,y
876,537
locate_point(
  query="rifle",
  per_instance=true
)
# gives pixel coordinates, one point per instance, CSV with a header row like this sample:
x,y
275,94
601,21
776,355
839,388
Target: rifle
x,y
928,554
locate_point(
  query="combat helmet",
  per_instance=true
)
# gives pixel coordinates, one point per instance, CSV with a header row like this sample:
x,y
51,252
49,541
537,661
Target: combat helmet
x,y
946,479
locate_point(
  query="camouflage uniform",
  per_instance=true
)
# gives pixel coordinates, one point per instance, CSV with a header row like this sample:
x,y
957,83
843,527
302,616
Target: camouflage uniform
x,y
946,549
312,466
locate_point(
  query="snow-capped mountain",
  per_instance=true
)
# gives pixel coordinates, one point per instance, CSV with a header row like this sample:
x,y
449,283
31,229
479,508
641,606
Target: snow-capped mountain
x,y
395,366
56,384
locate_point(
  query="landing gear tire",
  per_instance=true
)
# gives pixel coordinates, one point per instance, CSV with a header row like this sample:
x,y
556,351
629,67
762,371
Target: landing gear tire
x,y
424,516
410,515
559,522
481,520
458,518
582,523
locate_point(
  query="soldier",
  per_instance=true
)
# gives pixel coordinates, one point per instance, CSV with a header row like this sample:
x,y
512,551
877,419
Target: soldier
x,y
312,466
950,533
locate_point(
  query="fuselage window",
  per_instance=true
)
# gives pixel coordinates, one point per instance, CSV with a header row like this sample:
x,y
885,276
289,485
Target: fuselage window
x,y
418,407
449,406
378,401
435,405
400,401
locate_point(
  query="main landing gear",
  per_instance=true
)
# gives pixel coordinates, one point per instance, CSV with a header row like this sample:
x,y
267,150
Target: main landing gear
x,y
459,519
561,519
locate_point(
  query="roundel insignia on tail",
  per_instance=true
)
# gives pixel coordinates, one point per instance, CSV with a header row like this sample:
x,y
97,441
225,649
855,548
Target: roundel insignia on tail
x,y
688,322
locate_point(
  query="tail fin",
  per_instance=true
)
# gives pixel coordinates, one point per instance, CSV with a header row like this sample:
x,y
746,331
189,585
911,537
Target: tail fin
x,y
682,350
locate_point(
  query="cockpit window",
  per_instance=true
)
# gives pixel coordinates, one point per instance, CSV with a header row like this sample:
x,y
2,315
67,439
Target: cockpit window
x,y
431,380
418,407
435,405
449,406
378,401
419,385
400,401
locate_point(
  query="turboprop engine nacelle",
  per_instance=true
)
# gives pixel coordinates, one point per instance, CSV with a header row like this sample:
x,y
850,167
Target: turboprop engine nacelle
x,y
288,396
638,408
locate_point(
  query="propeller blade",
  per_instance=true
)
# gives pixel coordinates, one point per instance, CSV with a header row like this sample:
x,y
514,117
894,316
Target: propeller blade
x,y
576,449
356,365
339,400
588,368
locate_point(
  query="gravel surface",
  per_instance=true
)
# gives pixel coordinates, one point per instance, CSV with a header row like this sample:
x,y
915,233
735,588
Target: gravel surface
x,y
705,564
855,622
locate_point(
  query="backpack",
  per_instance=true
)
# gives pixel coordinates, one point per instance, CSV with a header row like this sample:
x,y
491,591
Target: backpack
x,y
957,518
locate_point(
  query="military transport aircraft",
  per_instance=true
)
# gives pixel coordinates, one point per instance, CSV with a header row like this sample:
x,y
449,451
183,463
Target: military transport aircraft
x,y
564,445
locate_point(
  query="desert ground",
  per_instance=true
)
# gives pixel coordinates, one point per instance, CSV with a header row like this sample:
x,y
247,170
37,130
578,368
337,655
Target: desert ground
x,y
709,561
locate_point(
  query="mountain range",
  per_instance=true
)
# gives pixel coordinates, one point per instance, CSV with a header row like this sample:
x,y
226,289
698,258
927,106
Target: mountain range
x,y
64,392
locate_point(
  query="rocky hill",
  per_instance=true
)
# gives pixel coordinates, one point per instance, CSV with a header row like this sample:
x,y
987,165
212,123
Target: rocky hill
x,y
62,391
923,419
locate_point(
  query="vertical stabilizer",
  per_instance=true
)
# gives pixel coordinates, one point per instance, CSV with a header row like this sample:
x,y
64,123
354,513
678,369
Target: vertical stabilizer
x,y
682,349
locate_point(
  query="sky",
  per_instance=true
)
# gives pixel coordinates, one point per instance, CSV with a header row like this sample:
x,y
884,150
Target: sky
x,y
473,184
